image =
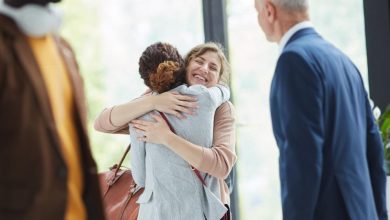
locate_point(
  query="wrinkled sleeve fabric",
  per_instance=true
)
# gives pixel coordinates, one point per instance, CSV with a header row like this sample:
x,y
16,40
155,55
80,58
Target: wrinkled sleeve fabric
x,y
218,159
103,123
219,94
221,157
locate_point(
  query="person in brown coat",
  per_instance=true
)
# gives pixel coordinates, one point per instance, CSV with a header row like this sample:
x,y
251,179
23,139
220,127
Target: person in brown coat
x,y
46,167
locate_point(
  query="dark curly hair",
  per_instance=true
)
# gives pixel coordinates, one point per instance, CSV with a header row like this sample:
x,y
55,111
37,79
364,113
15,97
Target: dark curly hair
x,y
162,67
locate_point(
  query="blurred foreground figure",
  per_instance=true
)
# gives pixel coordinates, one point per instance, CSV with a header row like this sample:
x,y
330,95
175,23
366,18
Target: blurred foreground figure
x,y
46,167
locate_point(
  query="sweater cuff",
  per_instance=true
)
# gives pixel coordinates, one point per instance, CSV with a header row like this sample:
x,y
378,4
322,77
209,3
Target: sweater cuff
x,y
207,157
103,122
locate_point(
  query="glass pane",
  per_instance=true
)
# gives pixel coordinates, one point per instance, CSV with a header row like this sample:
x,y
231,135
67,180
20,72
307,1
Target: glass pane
x,y
109,37
342,23
253,61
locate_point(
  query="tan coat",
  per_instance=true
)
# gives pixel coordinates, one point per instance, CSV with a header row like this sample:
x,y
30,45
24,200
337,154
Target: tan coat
x,y
33,174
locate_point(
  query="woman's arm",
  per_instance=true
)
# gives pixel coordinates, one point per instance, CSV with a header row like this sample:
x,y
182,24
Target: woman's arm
x,y
115,119
219,160
216,161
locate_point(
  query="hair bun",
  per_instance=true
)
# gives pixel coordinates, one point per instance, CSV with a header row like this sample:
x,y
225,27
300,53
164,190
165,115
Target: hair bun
x,y
163,78
167,66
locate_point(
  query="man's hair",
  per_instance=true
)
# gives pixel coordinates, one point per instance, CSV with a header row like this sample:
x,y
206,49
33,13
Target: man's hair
x,y
291,5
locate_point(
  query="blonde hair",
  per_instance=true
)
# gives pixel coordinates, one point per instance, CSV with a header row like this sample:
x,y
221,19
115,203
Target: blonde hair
x,y
213,47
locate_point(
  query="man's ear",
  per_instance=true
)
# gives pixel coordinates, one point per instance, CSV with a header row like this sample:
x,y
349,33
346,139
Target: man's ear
x,y
270,9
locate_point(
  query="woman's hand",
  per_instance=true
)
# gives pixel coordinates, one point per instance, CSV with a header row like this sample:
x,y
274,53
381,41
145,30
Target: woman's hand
x,y
156,132
175,104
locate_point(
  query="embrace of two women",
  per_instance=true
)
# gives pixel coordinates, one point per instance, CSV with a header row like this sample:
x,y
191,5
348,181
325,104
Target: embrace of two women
x,y
193,95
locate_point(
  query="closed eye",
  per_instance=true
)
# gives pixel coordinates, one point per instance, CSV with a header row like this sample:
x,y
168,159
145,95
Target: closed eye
x,y
213,68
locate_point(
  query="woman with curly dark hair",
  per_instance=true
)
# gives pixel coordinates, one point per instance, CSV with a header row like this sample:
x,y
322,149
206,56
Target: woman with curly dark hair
x,y
161,67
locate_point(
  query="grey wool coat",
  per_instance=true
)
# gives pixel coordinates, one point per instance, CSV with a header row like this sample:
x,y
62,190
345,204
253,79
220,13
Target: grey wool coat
x,y
172,190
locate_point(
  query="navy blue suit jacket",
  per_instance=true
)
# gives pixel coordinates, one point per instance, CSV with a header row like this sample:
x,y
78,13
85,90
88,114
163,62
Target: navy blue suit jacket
x,y
331,155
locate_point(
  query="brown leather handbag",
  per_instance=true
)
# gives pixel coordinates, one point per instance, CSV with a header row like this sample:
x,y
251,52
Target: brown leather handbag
x,y
119,192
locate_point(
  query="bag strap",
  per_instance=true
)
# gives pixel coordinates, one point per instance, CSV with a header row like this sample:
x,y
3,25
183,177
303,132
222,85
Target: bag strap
x,y
197,173
118,166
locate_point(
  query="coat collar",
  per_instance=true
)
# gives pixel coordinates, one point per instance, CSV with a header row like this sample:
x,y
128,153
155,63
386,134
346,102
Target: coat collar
x,y
301,33
32,19
9,26
30,67
291,32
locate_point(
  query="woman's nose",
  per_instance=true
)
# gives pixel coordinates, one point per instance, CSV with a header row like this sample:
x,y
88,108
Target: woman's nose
x,y
204,68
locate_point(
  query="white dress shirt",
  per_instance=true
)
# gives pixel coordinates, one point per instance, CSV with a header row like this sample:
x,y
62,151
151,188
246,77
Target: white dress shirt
x,y
283,41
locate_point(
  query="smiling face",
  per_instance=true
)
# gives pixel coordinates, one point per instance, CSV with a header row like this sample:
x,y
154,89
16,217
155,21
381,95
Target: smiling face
x,y
204,69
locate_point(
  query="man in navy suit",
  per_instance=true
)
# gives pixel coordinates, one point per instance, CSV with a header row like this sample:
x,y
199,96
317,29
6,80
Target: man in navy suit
x,y
331,154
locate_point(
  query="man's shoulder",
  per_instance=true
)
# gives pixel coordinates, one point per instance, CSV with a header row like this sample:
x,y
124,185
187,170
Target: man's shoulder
x,y
312,52
300,48
308,52
310,46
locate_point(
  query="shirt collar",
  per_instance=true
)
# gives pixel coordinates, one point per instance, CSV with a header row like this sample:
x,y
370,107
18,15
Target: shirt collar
x,y
294,29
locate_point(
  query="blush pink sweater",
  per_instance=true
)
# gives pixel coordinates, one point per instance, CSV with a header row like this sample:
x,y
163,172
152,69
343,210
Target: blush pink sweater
x,y
217,160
